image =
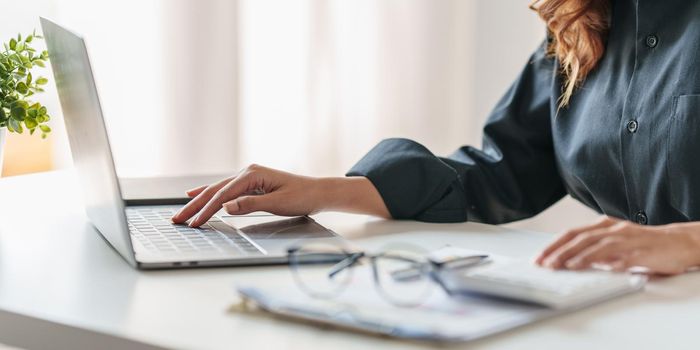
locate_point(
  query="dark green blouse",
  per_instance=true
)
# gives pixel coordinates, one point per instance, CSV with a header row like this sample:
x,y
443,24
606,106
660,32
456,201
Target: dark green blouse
x,y
627,146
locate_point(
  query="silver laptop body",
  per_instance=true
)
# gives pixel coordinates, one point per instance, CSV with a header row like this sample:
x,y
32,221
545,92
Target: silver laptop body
x,y
144,234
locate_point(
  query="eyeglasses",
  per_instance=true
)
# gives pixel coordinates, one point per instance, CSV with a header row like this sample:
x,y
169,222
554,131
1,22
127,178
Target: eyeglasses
x,y
404,276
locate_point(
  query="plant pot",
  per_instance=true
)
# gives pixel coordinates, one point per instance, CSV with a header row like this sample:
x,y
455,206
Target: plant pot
x,y
3,135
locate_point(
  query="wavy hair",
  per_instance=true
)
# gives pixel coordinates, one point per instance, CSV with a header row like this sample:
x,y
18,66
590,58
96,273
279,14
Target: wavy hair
x,y
578,30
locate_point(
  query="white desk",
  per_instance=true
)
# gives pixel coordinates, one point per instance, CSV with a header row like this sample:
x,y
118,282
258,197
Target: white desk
x,y
62,286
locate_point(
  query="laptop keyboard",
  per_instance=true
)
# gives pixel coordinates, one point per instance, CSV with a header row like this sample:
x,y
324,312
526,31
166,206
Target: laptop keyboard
x,y
153,228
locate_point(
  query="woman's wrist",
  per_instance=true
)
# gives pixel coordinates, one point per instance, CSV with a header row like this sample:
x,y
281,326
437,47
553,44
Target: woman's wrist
x,y
693,235
688,234
354,194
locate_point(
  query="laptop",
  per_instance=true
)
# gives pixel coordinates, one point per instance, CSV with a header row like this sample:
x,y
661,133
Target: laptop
x,y
141,231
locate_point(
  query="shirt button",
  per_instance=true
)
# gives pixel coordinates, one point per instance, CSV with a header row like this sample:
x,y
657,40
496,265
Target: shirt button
x,y
632,126
652,41
641,217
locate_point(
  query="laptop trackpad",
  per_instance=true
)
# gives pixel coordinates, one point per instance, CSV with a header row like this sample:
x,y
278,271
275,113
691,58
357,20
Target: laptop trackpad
x,y
266,227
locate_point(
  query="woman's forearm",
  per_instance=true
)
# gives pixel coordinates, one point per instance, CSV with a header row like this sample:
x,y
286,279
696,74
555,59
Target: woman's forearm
x,y
350,194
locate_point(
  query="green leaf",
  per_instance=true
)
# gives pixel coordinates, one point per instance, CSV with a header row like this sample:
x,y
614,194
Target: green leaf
x,y
45,128
33,113
22,104
29,39
3,116
20,46
18,113
42,110
13,44
19,37
44,54
16,126
29,79
42,81
39,63
22,88
30,124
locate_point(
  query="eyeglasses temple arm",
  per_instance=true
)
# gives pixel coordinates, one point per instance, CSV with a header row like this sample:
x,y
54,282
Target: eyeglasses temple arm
x,y
348,262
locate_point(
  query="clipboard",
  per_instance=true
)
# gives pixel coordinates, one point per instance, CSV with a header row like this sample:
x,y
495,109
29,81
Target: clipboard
x,y
441,318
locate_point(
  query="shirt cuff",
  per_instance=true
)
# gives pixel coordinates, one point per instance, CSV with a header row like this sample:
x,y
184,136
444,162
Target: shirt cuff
x,y
411,181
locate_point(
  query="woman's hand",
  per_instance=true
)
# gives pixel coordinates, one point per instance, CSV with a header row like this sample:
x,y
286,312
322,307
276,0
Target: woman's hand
x,y
258,188
666,249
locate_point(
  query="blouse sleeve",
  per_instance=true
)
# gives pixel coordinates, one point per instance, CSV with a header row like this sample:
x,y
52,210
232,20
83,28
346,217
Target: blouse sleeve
x,y
513,176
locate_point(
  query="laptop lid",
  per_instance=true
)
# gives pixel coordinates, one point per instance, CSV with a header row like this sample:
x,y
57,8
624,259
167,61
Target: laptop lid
x,y
87,136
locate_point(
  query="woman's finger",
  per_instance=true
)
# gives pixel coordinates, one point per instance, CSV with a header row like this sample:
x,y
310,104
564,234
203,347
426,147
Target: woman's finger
x,y
608,249
196,204
196,191
234,189
571,234
248,204
559,257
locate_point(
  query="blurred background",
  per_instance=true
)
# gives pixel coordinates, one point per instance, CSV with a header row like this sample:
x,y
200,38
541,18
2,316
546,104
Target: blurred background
x,y
309,86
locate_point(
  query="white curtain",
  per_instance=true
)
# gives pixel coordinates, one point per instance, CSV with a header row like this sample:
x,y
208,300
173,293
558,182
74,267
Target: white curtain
x,y
166,73
322,81
208,86
306,85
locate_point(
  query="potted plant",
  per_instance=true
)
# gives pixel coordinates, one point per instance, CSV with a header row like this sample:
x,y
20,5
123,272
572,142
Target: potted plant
x,y
17,85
